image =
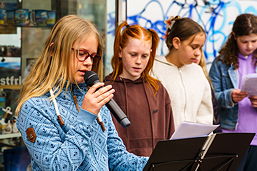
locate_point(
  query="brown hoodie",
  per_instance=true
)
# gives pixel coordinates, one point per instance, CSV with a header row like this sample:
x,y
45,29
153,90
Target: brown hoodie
x,y
150,114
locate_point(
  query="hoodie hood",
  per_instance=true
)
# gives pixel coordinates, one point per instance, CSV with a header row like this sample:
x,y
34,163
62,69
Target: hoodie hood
x,y
162,59
123,80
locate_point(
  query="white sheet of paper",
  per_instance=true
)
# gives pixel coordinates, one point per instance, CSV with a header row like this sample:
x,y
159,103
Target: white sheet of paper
x,y
190,129
249,84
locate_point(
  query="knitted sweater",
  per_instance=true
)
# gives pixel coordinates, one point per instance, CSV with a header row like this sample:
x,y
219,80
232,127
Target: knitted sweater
x,y
189,90
78,145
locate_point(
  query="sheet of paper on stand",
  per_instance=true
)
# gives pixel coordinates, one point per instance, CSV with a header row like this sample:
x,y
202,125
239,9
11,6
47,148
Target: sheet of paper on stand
x,y
249,84
191,129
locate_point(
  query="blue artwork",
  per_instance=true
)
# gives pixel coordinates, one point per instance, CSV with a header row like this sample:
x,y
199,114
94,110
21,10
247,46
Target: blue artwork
x,y
215,16
10,63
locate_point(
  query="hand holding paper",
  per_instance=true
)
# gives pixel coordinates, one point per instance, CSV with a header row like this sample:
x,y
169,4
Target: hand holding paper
x,y
249,84
253,101
238,95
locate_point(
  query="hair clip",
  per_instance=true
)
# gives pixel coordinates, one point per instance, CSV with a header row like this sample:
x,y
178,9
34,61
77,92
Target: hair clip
x,y
51,44
170,21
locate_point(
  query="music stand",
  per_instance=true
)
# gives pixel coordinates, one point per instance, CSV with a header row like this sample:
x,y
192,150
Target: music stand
x,y
221,151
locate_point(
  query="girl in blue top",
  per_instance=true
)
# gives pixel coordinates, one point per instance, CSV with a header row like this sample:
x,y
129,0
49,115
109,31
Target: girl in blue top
x,y
238,58
64,125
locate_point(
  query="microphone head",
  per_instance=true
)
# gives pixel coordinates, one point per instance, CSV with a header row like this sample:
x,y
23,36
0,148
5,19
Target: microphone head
x,y
91,78
125,122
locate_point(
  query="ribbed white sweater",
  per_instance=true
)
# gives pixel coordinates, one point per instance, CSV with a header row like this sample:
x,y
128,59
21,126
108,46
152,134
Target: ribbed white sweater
x,y
188,89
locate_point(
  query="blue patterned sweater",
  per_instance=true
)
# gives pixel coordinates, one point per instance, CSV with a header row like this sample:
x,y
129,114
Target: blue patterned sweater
x,y
80,144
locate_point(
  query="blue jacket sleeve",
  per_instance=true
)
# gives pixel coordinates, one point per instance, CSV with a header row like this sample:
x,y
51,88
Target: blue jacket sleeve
x,y
222,89
119,158
50,151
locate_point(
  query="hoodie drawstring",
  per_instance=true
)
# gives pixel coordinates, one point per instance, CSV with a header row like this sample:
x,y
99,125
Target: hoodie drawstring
x,y
150,114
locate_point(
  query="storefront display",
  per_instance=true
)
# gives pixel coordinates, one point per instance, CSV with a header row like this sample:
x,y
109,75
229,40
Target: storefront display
x,y
24,27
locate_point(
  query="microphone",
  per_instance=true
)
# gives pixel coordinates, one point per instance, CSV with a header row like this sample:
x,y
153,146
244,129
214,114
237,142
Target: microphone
x,y
91,78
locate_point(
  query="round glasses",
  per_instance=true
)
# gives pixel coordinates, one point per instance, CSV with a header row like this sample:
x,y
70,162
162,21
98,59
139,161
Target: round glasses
x,y
83,54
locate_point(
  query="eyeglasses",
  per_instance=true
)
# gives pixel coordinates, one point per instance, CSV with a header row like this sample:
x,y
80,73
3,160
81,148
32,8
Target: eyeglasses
x,y
83,54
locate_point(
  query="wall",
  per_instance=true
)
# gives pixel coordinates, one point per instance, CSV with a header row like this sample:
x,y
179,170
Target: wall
x,y
216,16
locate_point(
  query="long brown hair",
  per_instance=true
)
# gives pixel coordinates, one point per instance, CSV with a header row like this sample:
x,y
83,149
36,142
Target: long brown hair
x,y
52,68
245,24
121,41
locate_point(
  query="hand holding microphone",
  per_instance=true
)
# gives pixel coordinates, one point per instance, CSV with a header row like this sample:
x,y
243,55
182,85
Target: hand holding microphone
x,y
94,100
91,79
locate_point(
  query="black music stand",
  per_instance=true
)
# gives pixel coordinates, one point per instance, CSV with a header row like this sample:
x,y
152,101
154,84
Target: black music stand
x,y
221,151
